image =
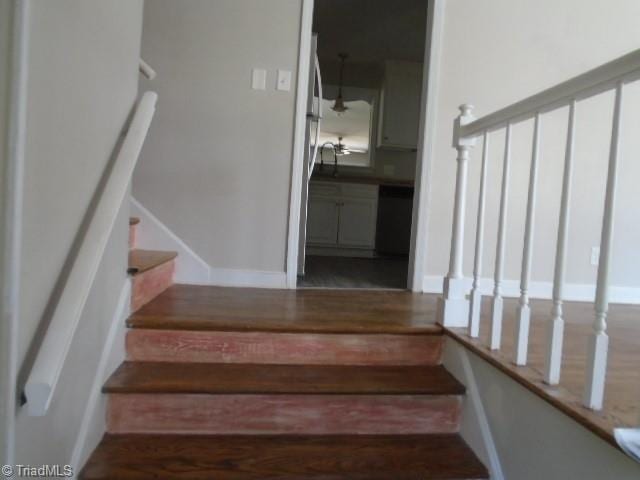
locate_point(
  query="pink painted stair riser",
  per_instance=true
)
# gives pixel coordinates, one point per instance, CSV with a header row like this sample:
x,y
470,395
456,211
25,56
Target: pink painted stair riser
x,y
282,348
133,229
148,285
283,414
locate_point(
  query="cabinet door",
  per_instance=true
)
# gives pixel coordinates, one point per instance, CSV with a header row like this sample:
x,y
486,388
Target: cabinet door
x,y
322,223
400,105
357,226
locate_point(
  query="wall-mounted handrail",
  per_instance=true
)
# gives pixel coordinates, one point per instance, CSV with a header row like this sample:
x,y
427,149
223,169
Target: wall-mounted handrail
x,y
45,373
146,70
624,69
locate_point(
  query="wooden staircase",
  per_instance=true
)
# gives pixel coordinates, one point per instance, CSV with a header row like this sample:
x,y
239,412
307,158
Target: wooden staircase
x,y
224,383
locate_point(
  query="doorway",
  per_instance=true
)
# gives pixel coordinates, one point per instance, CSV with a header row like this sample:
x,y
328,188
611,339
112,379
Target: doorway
x,y
361,144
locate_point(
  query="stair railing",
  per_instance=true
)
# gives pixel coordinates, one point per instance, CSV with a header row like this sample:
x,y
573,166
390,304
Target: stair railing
x,y
455,309
45,373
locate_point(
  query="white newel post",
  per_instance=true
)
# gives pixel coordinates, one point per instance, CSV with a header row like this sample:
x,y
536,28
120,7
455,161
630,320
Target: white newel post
x,y
523,311
555,329
599,341
454,306
497,305
475,304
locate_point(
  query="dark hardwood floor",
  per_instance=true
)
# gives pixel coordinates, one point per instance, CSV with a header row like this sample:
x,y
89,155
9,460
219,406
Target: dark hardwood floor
x,y
283,457
347,272
191,307
166,377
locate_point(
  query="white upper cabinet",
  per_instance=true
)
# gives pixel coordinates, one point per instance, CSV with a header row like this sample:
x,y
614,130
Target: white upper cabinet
x,y
399,113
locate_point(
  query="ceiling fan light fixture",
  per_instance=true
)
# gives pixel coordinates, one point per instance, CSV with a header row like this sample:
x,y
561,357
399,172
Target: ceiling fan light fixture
x,y
339,106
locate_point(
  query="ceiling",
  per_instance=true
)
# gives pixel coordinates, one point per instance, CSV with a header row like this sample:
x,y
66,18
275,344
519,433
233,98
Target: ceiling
x,y
371,30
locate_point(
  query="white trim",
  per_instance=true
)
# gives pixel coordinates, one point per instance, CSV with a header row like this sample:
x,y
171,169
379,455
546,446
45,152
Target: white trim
x,y
11,217
426,142
191,268
155,235
431,72
460,366
576,292
232,277
92,426
306,24
608,76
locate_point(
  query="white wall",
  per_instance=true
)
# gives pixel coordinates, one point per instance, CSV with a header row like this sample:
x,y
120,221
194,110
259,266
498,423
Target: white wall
x,y
83,74
216,168
533,439
496,52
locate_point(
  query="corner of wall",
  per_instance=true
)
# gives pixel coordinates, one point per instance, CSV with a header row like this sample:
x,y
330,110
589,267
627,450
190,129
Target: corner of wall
x,y
93,423
475,427
190,267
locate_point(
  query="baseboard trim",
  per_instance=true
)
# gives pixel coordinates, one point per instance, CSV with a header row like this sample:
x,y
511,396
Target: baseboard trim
x,y
155,235
575,292
93,426
231,277
191,269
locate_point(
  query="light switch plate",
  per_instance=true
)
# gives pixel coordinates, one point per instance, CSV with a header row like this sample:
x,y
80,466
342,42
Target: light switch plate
x,y
259,79
284,80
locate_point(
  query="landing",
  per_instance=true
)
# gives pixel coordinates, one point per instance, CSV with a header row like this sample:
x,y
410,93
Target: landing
x,y
192,307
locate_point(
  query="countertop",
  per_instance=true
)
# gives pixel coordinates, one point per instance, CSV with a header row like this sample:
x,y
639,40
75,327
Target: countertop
x,y
346,178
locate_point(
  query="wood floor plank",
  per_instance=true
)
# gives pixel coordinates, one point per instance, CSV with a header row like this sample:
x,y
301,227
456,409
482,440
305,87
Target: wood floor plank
x,y
141,261
163,377
190,307
622,389
380,457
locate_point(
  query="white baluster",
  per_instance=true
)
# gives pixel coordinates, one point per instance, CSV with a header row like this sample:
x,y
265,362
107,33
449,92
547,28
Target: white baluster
x,y
523,311
555,332
476,297
454,307
599,340
498,302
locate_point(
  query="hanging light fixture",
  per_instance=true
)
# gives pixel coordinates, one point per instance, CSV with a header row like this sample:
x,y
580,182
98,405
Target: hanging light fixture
x,y
339,106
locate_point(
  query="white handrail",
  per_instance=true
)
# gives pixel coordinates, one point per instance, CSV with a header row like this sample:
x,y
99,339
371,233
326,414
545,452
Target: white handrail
x,y
48,364
146,70
623,70
613,75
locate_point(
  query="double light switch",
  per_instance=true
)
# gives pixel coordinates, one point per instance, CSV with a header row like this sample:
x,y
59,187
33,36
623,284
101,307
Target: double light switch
x,y
259,79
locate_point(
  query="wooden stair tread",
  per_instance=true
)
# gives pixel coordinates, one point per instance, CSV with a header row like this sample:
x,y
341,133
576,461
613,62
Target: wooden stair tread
x,y
134,220
164,377
193,307
247,457
141,261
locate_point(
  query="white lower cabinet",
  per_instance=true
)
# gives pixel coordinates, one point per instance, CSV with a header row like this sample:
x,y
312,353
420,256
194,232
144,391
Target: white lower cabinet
x,y
342,215
322,220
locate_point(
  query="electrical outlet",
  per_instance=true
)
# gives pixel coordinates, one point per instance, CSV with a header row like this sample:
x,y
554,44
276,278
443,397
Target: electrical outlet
x,y
595,256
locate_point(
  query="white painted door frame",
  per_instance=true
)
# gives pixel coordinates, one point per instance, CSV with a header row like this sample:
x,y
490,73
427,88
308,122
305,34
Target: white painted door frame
x,y
435,21
13,102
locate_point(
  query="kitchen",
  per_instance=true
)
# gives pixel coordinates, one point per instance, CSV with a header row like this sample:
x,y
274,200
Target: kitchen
x,y
355,228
